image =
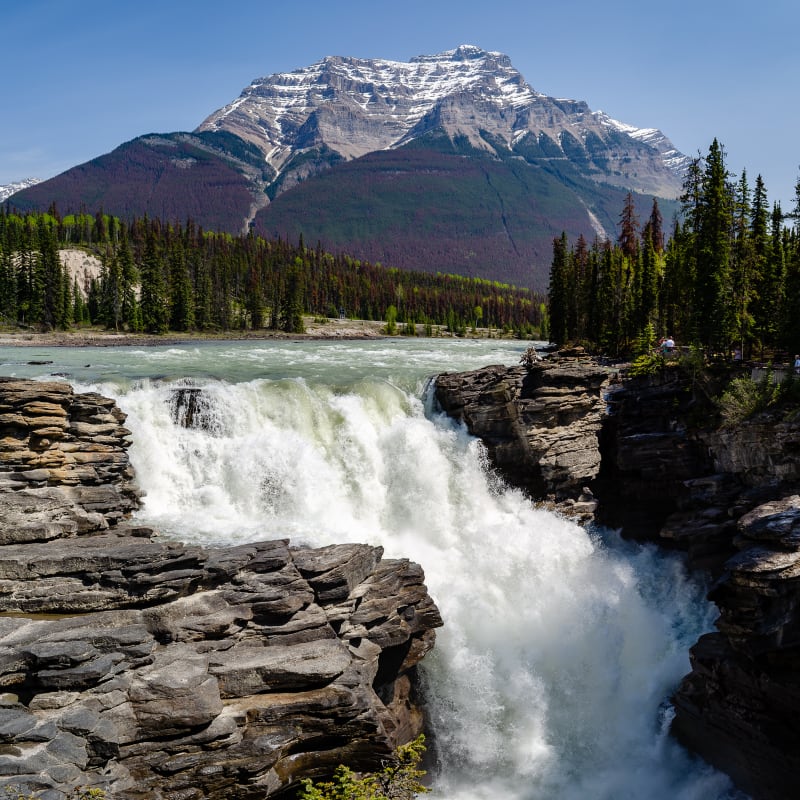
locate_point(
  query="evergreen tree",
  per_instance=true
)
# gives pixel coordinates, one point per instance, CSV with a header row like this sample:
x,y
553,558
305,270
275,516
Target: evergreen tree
x,y
8,285
292,307
49,279
629,230
128,278
559,291
111,291
742,266
254,299
654,228
153,296
714,317
181,300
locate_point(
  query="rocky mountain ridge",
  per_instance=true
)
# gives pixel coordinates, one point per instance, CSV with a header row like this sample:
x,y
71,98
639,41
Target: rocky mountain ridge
x,y
353,106
447,163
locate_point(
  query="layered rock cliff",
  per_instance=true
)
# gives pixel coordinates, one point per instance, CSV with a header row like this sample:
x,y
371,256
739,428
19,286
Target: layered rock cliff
x,y
540,424
662,468
155,669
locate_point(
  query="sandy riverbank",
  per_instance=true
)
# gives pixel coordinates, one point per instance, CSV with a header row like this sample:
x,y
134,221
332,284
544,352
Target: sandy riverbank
x,y
97,337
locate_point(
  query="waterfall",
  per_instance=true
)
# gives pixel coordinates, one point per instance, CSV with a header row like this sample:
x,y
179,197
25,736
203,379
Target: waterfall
x,y
550,678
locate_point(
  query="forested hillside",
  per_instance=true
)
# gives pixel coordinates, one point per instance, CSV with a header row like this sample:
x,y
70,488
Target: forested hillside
x,y
727,278
158,277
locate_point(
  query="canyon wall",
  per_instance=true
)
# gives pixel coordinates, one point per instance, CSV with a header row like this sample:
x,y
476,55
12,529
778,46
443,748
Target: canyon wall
x,y
650,453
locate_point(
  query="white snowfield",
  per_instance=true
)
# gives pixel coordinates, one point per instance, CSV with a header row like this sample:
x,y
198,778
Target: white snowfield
x,y
17,186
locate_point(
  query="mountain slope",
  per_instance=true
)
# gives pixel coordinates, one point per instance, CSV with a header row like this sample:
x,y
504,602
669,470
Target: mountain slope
x,y
216,179
442,212
447,162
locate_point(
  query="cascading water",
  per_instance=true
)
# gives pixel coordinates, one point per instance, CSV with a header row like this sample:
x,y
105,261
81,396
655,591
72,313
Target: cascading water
x,y
549,679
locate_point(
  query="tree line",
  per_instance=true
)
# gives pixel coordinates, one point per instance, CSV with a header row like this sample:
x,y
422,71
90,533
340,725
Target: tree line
x,y
728,277
158,277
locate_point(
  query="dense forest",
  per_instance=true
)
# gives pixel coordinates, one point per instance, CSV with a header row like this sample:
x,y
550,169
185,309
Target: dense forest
x,y
158,277
726,279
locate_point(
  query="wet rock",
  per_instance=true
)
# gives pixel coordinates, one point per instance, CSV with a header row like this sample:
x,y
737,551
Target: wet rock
x,y
661,468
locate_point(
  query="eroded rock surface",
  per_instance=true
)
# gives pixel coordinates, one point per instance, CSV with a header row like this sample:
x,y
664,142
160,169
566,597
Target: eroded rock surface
x,y
155,669
740,705
540,424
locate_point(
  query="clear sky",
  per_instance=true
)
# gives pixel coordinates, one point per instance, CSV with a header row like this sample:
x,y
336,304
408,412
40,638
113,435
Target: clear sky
x,y
81,78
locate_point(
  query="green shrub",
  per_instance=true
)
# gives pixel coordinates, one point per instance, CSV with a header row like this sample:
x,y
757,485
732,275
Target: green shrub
x,y
745,397
398,780
646,364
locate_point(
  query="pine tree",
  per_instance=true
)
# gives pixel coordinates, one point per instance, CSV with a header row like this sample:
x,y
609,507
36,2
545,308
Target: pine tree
x,y
49,278
654,228
292,307
559,291
629,230
714,318
153,298
128,278
181,301
8,285
743,275
111,291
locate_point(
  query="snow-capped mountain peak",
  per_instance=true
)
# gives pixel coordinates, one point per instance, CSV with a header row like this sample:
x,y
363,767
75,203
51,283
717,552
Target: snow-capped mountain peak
x,y
353,106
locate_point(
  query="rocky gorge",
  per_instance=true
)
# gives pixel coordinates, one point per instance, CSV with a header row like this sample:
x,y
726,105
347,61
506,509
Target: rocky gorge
x,y
151,668
648,455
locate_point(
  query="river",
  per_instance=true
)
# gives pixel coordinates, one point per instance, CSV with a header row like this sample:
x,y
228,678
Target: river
x,y
551,677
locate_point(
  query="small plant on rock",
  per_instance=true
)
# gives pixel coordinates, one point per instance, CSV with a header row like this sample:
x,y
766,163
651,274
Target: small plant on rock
x,y
398,780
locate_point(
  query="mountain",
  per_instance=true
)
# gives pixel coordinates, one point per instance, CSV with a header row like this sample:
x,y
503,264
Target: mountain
x,y
343,108
12,188
450,162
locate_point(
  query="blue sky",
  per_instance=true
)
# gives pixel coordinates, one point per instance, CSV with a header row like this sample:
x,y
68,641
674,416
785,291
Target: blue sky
x,y
81,78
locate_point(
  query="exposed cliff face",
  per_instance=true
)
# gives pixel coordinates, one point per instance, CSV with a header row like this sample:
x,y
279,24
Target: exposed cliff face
x,y
663,470
155,669
540,425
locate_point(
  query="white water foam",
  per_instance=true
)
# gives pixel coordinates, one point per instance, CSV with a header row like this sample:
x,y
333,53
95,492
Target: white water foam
x,y
559,649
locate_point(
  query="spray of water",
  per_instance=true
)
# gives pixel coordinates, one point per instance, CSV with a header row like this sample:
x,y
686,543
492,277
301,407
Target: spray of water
x,y
560,646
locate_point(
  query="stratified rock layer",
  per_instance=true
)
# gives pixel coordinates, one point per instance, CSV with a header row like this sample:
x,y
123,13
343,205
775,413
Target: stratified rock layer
x,y
540,424
155,669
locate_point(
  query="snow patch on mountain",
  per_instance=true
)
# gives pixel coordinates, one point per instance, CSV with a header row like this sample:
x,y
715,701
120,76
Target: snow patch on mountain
x,y
9,189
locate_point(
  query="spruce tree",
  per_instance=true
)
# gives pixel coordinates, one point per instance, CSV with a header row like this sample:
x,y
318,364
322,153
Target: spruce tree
x,y
181,301
292,307
153,296
714,318
559,291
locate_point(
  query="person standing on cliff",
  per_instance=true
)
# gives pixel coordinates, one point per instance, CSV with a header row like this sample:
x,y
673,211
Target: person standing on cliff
x,y
797,364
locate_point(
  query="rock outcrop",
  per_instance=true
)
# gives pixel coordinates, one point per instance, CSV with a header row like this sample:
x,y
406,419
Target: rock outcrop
x,y
155,669
540,424
662,468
